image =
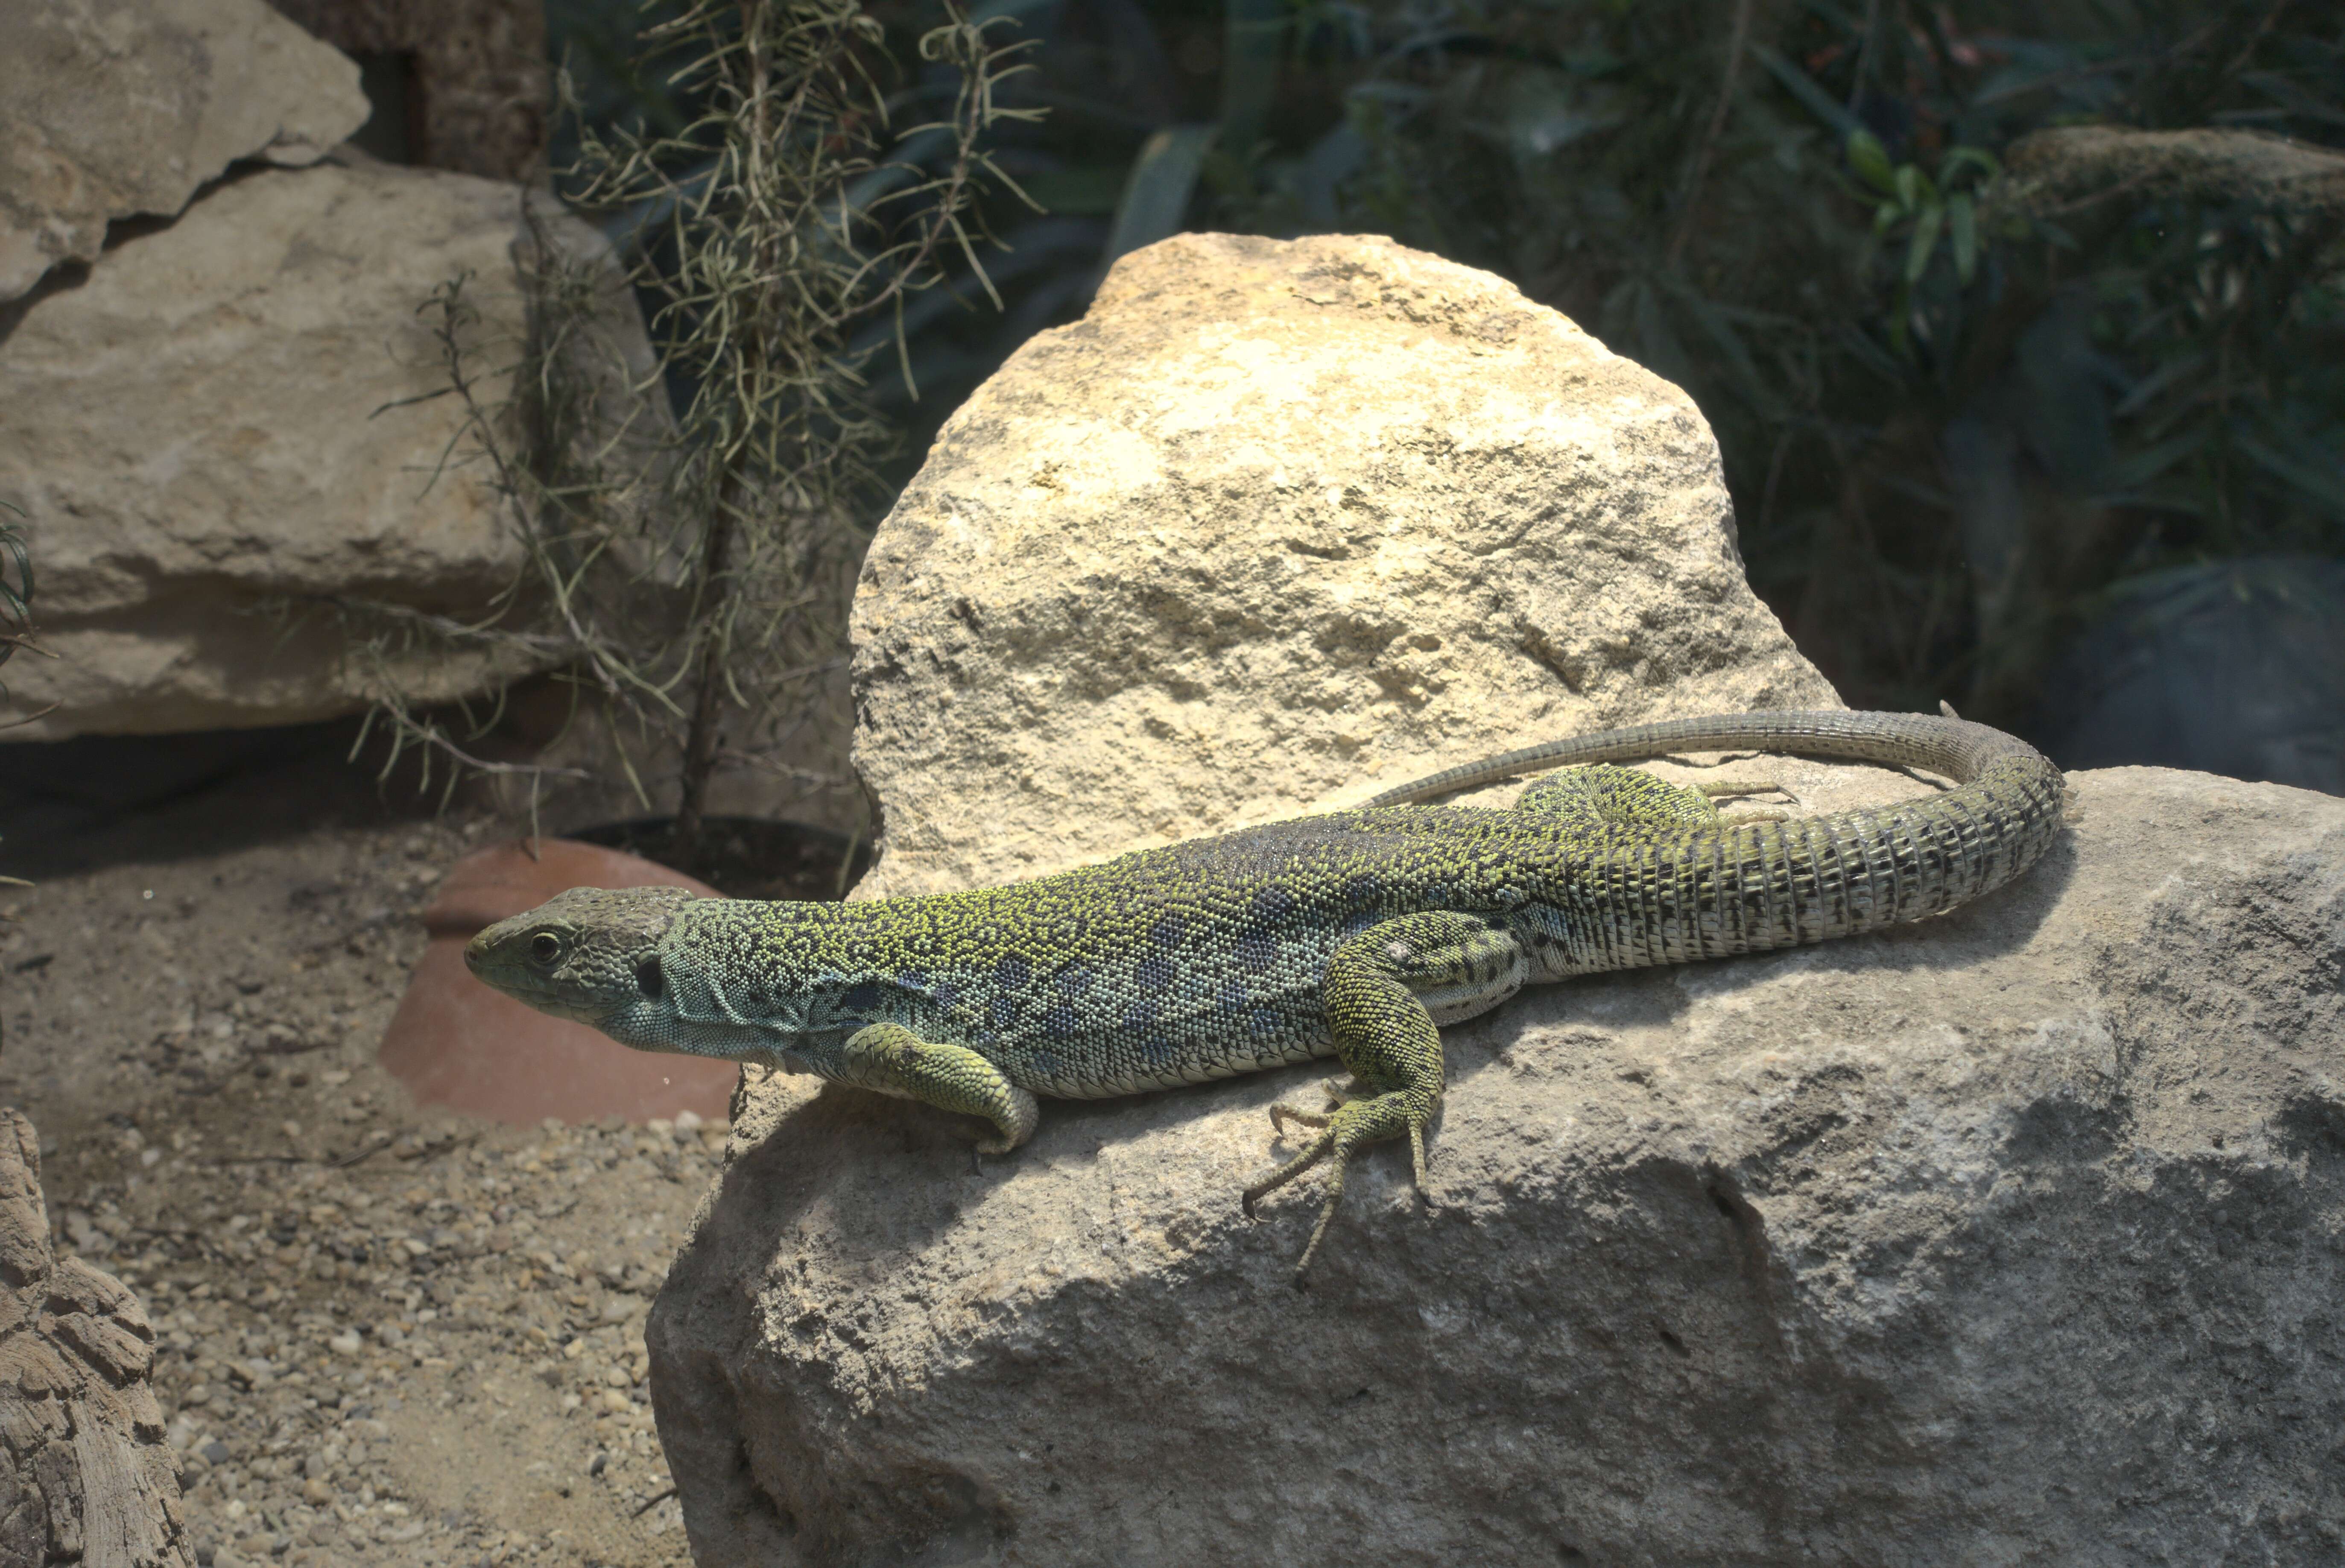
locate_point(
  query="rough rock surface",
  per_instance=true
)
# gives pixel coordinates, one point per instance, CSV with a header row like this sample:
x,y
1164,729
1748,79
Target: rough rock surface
x,y
84,1474
2009,1236
1409,515
213,419
113,108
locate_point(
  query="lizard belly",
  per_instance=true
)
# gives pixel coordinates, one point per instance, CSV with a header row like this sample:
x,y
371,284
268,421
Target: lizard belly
x,y
1141,1049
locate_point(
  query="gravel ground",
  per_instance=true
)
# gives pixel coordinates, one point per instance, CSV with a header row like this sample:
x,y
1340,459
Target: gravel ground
x,y
385,1335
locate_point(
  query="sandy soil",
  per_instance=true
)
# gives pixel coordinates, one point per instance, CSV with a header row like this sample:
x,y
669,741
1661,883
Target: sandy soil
x,y
389,1336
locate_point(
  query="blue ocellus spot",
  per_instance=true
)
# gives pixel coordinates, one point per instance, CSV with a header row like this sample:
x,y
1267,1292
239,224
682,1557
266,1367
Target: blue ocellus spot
x,y
1077,977
1057,1021
1141,1014
1230,998
1154,973
1257,951
1166,932
861,998
1002,1009
1012,973
1271,904
1266,1021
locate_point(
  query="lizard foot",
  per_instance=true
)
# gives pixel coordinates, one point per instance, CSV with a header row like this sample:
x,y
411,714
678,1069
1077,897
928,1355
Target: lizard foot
x,y
1368,1120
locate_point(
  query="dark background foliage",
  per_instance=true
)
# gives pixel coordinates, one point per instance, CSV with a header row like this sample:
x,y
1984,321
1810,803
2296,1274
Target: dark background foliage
x,y
2076,464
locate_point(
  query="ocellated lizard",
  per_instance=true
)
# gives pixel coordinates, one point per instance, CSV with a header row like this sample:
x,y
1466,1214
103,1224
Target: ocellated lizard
x,y
1355,932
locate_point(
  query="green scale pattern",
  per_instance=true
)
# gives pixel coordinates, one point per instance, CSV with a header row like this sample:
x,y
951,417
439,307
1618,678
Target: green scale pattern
x,y
1355,932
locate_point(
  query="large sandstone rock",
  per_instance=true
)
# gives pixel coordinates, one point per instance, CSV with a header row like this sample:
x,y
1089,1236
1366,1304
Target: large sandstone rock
x,y
1278,525
115,107
237,409
2012,1236
85,1476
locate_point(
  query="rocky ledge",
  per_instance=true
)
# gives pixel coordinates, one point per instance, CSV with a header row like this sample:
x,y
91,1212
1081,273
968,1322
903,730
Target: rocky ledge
x,y
2008,1236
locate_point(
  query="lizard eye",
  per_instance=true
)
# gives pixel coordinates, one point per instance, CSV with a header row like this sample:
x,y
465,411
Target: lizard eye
x,y
544,948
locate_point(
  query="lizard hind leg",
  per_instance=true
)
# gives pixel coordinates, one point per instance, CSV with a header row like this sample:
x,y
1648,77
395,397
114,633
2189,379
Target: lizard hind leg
x,y
1386,1035
893,1059
1590,798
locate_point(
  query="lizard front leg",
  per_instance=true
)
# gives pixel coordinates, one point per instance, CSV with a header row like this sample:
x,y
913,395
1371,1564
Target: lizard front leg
x,y
893,1059
1384,990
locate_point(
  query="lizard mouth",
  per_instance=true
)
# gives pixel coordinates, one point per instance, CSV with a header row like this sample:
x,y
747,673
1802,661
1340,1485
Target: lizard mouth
x,y
498,959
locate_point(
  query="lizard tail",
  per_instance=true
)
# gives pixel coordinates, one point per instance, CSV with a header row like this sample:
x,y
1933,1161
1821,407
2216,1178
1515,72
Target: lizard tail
x,y
1713,893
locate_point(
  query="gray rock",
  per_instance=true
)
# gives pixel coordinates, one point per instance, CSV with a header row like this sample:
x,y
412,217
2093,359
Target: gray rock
x,y
2008,1236
226,413
1275,526
112,107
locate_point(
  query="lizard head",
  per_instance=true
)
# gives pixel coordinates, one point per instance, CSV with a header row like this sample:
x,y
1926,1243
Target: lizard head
x,y
591,954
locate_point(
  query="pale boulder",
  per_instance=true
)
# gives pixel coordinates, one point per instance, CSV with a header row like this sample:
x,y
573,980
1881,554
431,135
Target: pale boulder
x,y
110,109
1279,524
230,429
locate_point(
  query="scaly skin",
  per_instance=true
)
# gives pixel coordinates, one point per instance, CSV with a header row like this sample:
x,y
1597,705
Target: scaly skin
x,y
1355,933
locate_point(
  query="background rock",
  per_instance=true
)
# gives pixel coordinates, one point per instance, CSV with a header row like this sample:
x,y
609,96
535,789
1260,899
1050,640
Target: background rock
x,y
111,107
1275,526
226,413
2235,668
85,1474
473,75
2009,1236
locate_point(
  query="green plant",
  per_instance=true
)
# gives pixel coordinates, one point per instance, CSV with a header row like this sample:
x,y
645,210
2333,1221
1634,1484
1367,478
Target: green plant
x,y
1950,415
789,228
1921,209
692,578
1952,412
